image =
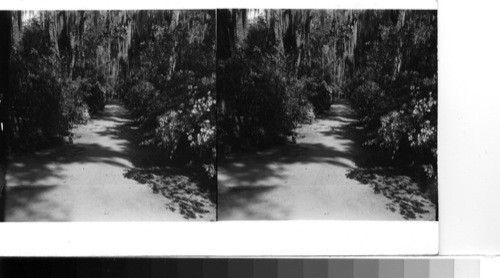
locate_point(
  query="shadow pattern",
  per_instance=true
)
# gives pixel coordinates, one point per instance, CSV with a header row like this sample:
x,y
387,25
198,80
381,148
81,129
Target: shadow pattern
x,y
21,197
366,165
31,177
32,172
404,194
373,168
186,190
181,190
250,198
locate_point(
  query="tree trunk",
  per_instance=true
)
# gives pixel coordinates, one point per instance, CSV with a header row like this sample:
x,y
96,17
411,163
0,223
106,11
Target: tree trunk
x,y
52,27
277,18
225,34
5,48
399,56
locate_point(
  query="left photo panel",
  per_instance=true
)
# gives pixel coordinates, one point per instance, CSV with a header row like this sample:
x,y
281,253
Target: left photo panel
x,y
108,115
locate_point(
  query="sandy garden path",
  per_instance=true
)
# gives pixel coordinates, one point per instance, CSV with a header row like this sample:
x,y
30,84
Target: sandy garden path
x,y
307,180
85,181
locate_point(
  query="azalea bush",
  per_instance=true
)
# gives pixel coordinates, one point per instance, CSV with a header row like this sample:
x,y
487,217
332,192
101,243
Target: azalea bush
x,y
40,117
173,98
47,100
398,104
262,101
261,106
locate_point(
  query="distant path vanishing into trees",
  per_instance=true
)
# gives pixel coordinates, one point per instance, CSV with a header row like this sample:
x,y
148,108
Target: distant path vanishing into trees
x,y
86,180
309,179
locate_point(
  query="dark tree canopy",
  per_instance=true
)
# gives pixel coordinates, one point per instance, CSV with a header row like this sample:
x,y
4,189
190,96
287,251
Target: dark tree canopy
x,y
66,65
284,67
5,98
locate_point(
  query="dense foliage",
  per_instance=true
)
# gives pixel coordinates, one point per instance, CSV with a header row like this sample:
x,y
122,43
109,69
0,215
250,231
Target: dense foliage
x,y
394,89
172,90
34,79
45,102
65,66
47,98
260,98
5,102
279,68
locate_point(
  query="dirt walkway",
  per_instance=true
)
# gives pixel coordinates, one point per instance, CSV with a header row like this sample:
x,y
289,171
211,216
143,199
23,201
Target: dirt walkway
x,y
85,181
308,180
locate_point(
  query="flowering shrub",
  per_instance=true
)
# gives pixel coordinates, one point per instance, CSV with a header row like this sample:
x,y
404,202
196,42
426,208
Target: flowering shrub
x,y
259,106
395,92
40,114
261,100
173,99
47,100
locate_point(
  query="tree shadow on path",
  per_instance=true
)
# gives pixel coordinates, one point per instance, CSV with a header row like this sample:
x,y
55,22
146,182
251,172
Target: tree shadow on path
x,y
256,175
34,176
187,190
246,178
403,192
400,186
180,188
22,197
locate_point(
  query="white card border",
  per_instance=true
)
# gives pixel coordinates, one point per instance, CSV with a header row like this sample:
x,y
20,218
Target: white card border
x,y
231,238
203,4
227,238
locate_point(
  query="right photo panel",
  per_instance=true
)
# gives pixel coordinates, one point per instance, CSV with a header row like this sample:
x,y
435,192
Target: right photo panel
x,y
327,115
